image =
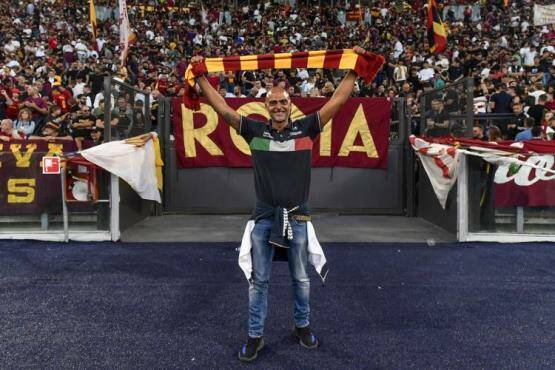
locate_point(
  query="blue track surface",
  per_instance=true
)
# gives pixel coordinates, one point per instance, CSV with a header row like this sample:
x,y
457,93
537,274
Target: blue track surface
x,y
388,306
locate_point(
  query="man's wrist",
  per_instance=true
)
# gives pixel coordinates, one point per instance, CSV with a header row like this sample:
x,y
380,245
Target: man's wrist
x,y
351,75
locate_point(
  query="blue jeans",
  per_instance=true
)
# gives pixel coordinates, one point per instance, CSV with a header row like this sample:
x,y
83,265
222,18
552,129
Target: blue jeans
x,y
262,255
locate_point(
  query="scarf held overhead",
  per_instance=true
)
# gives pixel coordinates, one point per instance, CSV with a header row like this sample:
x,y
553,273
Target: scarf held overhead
x,y
365,65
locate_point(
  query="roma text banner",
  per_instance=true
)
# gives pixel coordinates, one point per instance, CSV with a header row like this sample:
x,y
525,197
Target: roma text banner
x,y
358,135
23,187
526,186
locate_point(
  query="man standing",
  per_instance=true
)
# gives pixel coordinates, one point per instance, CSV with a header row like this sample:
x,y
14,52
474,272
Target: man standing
x,y
538,110
516,122
437,120
500,102
281,154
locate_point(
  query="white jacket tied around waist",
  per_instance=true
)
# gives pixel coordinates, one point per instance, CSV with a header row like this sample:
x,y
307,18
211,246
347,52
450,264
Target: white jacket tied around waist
x,y
315,253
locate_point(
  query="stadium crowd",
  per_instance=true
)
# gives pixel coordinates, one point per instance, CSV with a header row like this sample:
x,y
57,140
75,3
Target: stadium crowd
x,y
52,71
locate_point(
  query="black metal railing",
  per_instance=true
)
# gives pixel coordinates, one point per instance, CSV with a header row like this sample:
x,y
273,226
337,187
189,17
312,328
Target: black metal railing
x,y
128,111
447,110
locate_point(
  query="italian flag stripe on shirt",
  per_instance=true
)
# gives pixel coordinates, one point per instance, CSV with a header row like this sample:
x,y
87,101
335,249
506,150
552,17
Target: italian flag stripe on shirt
x,y
267,145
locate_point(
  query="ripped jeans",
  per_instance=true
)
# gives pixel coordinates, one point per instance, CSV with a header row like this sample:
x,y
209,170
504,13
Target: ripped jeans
x,y
262,256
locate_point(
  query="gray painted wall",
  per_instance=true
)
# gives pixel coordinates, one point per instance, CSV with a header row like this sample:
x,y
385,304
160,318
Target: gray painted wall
x,y
429,207
231,190
132,208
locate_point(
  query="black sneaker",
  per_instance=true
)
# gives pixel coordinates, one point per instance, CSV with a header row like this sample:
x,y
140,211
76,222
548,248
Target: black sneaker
x,y
305,337
249,351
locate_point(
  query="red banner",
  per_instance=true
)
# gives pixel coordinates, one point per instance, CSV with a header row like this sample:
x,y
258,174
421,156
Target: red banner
x,y
527,186
23,187
355,15
358,136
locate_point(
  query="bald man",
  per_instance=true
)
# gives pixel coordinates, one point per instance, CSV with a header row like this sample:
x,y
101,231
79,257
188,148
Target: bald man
x,y
281,153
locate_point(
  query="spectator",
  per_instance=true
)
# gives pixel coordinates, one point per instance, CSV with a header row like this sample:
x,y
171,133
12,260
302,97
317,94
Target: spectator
x,y
527,133
98,112
494,134
61,97
437,121
96,136
36,104
400,72
7,131
427,73
12,104
478,132
537,133
237,92
538,110
328,89
52,131
260,91
538,91
515,123
124,116
56,117
81,125
500,102
24,124
138,124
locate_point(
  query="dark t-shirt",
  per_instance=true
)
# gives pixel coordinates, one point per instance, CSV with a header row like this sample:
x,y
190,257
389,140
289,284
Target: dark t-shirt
x,y
281,161
536,112
438,118
514,126
97,82
455,72
502,102
3,105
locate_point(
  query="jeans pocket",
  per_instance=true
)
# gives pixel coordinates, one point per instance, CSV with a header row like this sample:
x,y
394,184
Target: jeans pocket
x,y
297,222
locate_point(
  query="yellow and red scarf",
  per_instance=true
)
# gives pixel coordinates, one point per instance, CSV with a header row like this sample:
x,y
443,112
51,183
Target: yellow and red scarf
x,y
365,65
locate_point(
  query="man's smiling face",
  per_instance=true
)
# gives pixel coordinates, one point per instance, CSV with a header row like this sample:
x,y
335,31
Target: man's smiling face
x,y
278,105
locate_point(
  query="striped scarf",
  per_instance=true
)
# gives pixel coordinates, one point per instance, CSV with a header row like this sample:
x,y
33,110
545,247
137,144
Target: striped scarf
x,y
365,65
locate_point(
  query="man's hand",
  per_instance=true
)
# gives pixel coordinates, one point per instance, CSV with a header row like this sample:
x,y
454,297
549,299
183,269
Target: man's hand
x,y
341,94
359,50
197,59
214,99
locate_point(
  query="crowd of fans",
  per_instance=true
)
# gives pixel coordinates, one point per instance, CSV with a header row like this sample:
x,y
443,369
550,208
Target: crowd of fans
x,y
52,71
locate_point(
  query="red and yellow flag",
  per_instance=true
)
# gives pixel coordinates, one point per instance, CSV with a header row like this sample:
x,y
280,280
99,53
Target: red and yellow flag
x,y
437,33
92,17
366,65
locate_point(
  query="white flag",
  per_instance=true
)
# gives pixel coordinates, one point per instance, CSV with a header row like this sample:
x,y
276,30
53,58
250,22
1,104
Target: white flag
x,y
544,14
135,165
440,163
124,31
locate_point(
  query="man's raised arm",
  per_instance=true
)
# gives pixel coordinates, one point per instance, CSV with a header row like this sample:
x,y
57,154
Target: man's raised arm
x,y
341,94
215,99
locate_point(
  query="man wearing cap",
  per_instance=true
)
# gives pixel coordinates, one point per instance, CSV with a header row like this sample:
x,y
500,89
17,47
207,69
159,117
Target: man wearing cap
x,y
51,131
